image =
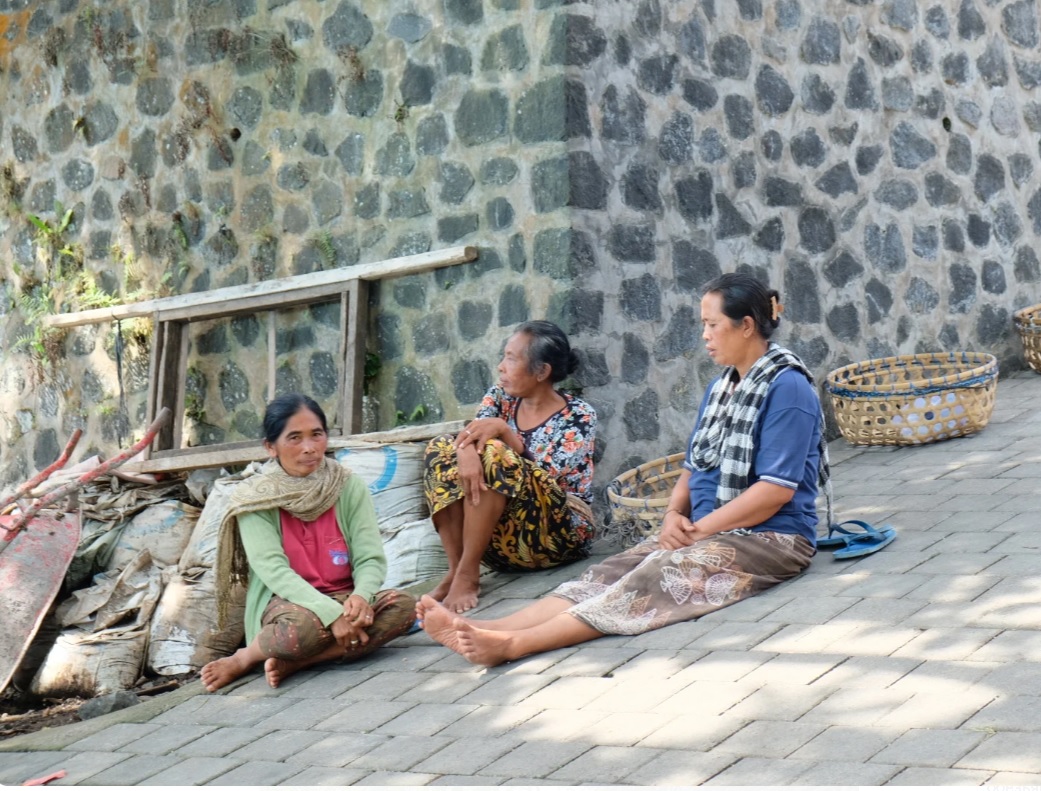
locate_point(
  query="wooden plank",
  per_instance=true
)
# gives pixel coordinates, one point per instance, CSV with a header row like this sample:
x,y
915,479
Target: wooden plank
x,y
180,383
341,390
172,350
218,300
151,410
310,295
272,370
220,456
354,359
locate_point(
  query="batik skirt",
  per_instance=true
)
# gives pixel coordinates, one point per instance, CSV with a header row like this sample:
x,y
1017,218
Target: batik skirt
x,y
536,530
648,587
289,631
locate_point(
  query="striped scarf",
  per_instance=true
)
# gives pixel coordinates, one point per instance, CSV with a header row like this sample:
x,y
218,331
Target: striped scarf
x,y
724,436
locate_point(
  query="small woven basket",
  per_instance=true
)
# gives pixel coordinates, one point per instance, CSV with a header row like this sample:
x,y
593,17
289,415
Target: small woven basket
x,y
639,498
1028,324
914,399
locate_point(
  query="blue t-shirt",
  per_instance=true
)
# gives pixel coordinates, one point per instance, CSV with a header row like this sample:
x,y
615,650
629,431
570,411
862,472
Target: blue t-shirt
x,y
786,439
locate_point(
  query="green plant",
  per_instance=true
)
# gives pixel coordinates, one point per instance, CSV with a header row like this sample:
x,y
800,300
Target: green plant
x,y
401,113
194,408
417,414
373,366
42,344
323,242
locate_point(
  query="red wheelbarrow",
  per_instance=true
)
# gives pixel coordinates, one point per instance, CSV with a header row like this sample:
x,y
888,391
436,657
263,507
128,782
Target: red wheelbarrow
x,y
37,546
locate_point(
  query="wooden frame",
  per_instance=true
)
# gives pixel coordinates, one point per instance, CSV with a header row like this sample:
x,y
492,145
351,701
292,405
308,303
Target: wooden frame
x,y
172,315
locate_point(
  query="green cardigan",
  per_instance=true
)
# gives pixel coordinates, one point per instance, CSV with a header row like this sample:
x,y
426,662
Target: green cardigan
x,y
269,571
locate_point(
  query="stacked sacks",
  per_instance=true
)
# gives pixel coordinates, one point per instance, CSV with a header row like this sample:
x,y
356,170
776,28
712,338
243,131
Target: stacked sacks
x,y
106,627
184,633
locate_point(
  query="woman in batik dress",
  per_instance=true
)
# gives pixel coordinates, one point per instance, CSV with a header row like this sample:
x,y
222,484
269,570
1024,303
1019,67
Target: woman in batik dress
x,y
512,489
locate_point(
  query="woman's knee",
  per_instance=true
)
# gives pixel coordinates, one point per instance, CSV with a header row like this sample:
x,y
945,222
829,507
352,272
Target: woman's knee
x,y
497,453
439,443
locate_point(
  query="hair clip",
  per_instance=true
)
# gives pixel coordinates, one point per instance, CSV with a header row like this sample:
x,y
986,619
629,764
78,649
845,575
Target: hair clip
x,y
776,308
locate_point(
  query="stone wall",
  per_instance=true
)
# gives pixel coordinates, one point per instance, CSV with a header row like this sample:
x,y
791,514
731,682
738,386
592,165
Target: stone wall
x,y
875,161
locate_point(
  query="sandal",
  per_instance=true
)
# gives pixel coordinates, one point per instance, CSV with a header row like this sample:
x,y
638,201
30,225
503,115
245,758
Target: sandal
x,y
865,543
832,540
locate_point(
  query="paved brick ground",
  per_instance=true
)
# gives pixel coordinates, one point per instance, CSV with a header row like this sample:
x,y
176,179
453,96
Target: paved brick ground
x,y
919,665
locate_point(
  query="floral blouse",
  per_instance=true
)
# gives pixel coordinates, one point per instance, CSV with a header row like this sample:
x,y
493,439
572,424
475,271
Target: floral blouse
x,y
562,445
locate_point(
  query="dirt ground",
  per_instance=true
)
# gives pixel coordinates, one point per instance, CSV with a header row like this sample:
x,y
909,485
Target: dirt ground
x,y
23,713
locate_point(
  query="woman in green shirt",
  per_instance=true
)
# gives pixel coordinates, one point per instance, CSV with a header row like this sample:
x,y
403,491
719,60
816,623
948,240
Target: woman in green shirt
x,y
303,536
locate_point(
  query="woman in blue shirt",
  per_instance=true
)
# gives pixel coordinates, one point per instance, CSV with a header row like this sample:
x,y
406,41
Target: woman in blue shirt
x,y
741,517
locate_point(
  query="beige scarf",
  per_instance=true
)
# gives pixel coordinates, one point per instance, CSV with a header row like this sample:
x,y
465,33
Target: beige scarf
x,y
306,498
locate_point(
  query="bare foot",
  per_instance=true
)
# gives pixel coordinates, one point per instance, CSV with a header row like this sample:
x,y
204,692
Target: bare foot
x,y
439,592
278,670
221,672
439,623
482,646
462,596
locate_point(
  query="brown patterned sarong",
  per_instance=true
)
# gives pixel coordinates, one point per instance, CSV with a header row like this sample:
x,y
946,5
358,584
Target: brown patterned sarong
x,y
289,631
648,587
535,531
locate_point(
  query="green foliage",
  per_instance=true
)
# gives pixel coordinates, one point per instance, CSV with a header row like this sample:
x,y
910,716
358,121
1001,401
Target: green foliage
x,y
373,366
42,344
416,416
323,242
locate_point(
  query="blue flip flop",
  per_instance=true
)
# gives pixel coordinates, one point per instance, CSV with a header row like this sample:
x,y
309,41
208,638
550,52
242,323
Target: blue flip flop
x,y
838,536
865,543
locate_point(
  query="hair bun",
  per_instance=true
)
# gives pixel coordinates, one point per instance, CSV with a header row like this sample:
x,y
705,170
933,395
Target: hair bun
x,y
573,361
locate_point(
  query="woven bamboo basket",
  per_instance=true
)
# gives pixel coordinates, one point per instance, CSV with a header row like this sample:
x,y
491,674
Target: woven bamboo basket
x,y
639,498
914,399
1028,324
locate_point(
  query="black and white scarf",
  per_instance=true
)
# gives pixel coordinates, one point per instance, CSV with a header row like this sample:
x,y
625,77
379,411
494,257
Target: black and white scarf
x,y
724,436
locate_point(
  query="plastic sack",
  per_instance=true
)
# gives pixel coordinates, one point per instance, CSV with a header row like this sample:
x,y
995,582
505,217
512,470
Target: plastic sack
x,y
394,475
184,634
414,553
86,664
201,551
164,529
115,597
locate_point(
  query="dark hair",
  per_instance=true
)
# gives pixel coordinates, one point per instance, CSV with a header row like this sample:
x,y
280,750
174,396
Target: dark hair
x,y
549,345
743,295
284,407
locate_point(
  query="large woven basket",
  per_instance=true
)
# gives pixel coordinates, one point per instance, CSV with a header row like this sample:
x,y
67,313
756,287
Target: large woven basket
x,y
914,399
639,498
1028,324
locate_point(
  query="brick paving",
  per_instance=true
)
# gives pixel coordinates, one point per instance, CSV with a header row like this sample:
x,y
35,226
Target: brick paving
x,y
919,665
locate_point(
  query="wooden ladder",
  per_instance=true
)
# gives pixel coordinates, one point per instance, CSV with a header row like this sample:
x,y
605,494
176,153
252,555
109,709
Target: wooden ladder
x,y
172,316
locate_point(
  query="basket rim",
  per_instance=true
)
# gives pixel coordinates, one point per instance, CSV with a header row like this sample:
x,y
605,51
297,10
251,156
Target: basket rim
x,y
616,498
983,365
1028,315
636,471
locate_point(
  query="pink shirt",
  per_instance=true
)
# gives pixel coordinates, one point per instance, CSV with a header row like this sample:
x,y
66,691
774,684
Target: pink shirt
x,y
317,551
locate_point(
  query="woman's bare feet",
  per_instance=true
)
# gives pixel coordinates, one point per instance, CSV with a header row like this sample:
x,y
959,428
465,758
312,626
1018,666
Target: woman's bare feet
x,y
442,588
482,646
439,623
278,670
221,672
463,593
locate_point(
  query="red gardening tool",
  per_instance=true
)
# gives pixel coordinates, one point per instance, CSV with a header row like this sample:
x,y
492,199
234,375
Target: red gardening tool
x,y
36,548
